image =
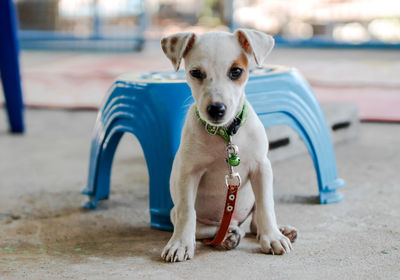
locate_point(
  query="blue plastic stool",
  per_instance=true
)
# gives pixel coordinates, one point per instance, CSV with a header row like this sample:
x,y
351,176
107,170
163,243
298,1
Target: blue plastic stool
x,y
9,66
153,107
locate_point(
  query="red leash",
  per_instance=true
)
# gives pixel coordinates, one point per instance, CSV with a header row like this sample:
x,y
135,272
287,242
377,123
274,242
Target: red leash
x,y
226,219
231,195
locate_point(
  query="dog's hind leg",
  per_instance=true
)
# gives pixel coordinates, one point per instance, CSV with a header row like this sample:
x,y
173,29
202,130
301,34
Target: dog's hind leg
x,y
253,225
232,239
204,231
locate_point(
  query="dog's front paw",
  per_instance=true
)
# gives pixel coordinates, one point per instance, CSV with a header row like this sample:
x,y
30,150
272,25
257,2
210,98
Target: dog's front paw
x,y
178,250
275,243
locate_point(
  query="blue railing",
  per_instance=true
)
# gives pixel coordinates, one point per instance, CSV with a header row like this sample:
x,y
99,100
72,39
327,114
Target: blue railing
x,y
95,39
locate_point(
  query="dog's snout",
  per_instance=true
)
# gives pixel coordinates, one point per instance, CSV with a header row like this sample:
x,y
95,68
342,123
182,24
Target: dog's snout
x,y
216,110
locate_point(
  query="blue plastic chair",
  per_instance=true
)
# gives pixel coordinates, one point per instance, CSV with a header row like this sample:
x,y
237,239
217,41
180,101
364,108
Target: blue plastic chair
x,y
153,107
9,66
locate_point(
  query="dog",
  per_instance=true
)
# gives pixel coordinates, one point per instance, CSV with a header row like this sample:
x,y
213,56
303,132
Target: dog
x,y
217,69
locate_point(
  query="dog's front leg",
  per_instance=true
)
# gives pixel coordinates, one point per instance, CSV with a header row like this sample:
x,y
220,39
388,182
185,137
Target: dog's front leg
x,y
271,239
184,184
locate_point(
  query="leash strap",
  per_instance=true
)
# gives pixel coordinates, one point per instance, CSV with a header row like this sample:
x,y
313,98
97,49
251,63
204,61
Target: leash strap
x,y
232,182
231,195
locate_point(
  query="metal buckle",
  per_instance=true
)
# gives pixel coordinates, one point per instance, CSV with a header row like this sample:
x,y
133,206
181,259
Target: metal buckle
x,y
233,176
232,150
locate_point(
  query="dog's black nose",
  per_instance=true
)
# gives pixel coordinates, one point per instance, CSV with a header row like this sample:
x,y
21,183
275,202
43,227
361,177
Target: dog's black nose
x,y
216,110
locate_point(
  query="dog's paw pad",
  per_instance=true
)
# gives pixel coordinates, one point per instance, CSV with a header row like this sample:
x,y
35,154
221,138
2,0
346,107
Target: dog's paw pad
x,y
290,232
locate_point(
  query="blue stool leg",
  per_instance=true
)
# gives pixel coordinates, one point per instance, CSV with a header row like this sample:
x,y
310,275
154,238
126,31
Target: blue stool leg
x,y
290,102
100,171
321,152
9,66
131,113
159,163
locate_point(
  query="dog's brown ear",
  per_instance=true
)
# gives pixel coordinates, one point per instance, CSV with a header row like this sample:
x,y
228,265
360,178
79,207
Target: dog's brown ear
x,y
177,46
255,43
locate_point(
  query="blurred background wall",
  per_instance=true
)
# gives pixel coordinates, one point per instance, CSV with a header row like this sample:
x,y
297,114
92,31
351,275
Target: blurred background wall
x,y
126,24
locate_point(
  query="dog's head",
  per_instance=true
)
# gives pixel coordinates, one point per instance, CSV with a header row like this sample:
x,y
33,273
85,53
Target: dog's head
x,y
217,67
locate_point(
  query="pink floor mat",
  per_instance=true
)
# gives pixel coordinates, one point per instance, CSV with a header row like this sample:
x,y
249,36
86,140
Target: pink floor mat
x,y
376,102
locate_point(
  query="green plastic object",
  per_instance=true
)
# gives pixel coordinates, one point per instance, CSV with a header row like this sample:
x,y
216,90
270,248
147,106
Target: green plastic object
x,y
234,161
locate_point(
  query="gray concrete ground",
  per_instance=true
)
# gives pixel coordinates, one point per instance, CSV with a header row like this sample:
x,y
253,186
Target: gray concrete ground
x,y
44,234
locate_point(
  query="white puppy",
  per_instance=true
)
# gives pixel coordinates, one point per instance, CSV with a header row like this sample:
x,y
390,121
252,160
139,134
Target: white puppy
x,y
217,69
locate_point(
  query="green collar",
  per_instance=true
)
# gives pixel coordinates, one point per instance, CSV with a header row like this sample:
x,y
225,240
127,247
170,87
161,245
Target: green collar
x,y
226,132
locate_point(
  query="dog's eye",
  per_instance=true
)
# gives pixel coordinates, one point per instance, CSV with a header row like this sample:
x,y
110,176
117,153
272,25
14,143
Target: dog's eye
x,y
196,73
235,73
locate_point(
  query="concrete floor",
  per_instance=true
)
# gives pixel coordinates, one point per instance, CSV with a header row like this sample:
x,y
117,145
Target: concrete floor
x,y
44,233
